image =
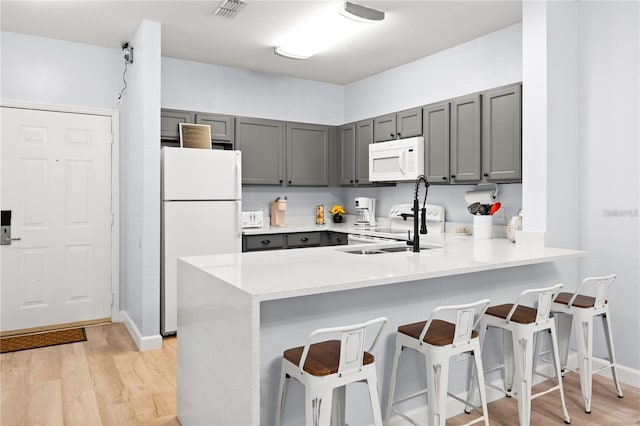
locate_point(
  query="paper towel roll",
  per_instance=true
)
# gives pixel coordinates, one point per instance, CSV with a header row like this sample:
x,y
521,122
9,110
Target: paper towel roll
x,y
482,197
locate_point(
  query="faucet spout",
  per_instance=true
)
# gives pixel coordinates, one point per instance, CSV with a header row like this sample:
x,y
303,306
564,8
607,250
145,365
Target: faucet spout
x,y
416,213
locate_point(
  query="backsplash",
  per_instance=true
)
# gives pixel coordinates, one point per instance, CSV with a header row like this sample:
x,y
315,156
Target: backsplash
x,y
302,200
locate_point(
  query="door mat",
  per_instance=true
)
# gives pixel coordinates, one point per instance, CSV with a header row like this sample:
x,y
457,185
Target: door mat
x,y
40,340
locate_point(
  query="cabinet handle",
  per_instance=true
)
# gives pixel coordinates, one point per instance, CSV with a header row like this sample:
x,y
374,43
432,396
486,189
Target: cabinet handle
x,y
265,242
281,181
486,175
444,178
351,181
289,181
357,180
339,239
453,176
392,135
399,135
304,239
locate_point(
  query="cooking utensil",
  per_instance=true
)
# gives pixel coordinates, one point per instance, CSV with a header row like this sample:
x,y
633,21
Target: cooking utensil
x,y
483,209
494,208
473,208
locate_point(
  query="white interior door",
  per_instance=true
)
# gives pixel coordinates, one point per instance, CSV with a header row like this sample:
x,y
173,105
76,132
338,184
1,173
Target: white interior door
x,y
56,180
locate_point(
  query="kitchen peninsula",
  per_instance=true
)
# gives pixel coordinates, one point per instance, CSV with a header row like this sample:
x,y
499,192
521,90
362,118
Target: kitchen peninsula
x,y
238,312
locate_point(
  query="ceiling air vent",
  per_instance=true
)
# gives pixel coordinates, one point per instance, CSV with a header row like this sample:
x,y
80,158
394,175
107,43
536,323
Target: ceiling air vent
x,y
229,8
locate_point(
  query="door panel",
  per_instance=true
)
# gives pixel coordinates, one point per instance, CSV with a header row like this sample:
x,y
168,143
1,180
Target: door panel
x,y
56,180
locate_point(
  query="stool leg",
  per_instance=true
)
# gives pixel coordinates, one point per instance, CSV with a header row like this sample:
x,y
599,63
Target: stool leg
x,y
612,357
564,333
438,381
556,363
537,342
372,382
392,385
318,406
482,332
509,372
523,357
284,385
338,409
477,357
584,341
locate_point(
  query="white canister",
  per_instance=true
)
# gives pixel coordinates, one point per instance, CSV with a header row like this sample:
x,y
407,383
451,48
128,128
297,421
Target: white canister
x,y
483,226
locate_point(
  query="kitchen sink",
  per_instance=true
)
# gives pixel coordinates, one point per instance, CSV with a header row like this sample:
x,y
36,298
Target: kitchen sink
x,y
364,251
405,248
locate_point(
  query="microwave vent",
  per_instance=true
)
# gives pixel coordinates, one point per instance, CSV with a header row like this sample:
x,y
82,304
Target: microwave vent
x,y
229,8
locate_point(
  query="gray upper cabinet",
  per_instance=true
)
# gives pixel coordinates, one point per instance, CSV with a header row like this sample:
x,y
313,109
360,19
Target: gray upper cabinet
x,y
364,138
353,142
347,154
436,142
465,139
222,128
307,155
170,122
502,134
403,124
262,143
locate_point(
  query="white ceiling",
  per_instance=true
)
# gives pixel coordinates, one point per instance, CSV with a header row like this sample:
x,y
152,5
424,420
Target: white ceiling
x,y
411,30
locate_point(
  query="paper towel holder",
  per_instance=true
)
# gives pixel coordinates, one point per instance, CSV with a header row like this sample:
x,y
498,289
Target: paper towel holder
x,y
494,185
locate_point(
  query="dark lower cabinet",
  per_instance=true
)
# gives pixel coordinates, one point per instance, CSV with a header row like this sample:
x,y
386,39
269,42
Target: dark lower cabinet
x,y
292,240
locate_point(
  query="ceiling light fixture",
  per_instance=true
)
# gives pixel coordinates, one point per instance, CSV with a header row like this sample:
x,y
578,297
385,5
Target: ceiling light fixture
x,y
326,28
360,13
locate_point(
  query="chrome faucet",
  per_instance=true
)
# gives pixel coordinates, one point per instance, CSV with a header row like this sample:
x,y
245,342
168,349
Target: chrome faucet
x,y
415,242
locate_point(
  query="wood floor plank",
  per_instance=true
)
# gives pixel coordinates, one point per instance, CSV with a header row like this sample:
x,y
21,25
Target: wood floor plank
x,y
107,381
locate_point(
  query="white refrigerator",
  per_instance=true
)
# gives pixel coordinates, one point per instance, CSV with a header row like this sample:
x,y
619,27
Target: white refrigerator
x,y
201,214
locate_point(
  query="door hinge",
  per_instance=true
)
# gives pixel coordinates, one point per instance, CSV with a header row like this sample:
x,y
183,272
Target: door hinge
x,y
111,138
113,298
113,218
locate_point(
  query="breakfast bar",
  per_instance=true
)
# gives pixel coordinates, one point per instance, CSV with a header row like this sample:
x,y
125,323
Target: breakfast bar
x,y
238,312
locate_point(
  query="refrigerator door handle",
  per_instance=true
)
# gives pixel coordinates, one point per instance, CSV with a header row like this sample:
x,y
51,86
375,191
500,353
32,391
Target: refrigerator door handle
x,y
238,177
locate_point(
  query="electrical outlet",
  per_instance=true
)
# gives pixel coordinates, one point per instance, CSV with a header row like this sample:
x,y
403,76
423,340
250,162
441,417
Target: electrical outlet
x,y
499,215
462,357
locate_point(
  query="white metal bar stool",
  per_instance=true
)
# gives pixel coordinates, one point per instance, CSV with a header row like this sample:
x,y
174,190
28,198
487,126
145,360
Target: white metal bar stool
x,y
584,309
439,340
325,368
519,324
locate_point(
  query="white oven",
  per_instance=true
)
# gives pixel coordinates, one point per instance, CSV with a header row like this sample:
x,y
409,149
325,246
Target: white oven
x,y
398,160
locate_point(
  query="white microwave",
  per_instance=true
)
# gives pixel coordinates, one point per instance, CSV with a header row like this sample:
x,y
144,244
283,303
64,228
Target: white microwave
x,y
397,160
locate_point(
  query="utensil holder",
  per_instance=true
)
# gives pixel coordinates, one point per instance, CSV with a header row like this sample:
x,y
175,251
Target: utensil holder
x,y
483,227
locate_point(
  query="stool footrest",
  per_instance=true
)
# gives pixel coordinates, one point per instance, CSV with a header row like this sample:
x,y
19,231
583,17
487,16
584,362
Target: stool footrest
x,y
409,396
404,416
534,396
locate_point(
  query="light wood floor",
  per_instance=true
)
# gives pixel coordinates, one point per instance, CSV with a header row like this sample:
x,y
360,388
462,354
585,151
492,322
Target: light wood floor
x,y
106,381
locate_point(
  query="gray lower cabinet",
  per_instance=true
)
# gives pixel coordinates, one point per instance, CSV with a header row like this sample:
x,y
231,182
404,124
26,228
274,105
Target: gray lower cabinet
x,y
222,129
502,134
170,122
436,142
262,143
307,155
263,242
465,139
292,240
403,124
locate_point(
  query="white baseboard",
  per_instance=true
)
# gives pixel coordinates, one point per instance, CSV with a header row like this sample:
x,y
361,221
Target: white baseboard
x,y
144,343
626,375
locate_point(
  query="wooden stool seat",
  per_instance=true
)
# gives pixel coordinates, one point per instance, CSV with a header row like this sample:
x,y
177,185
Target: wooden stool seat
x,y
580,301
323,358
440,333
522,315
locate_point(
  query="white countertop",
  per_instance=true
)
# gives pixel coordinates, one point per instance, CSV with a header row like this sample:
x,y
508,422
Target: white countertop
x,y
280,274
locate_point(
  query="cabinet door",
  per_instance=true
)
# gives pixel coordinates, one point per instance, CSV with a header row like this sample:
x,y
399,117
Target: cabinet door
x,y
221,126
364,138
347,152
170,122
436,141
465,139
409,123
262,144
385,127
307,155
502,135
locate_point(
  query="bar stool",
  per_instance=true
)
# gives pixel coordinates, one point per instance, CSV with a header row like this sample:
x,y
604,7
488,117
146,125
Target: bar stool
x,y
584,309
522,323
439,340
325,368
